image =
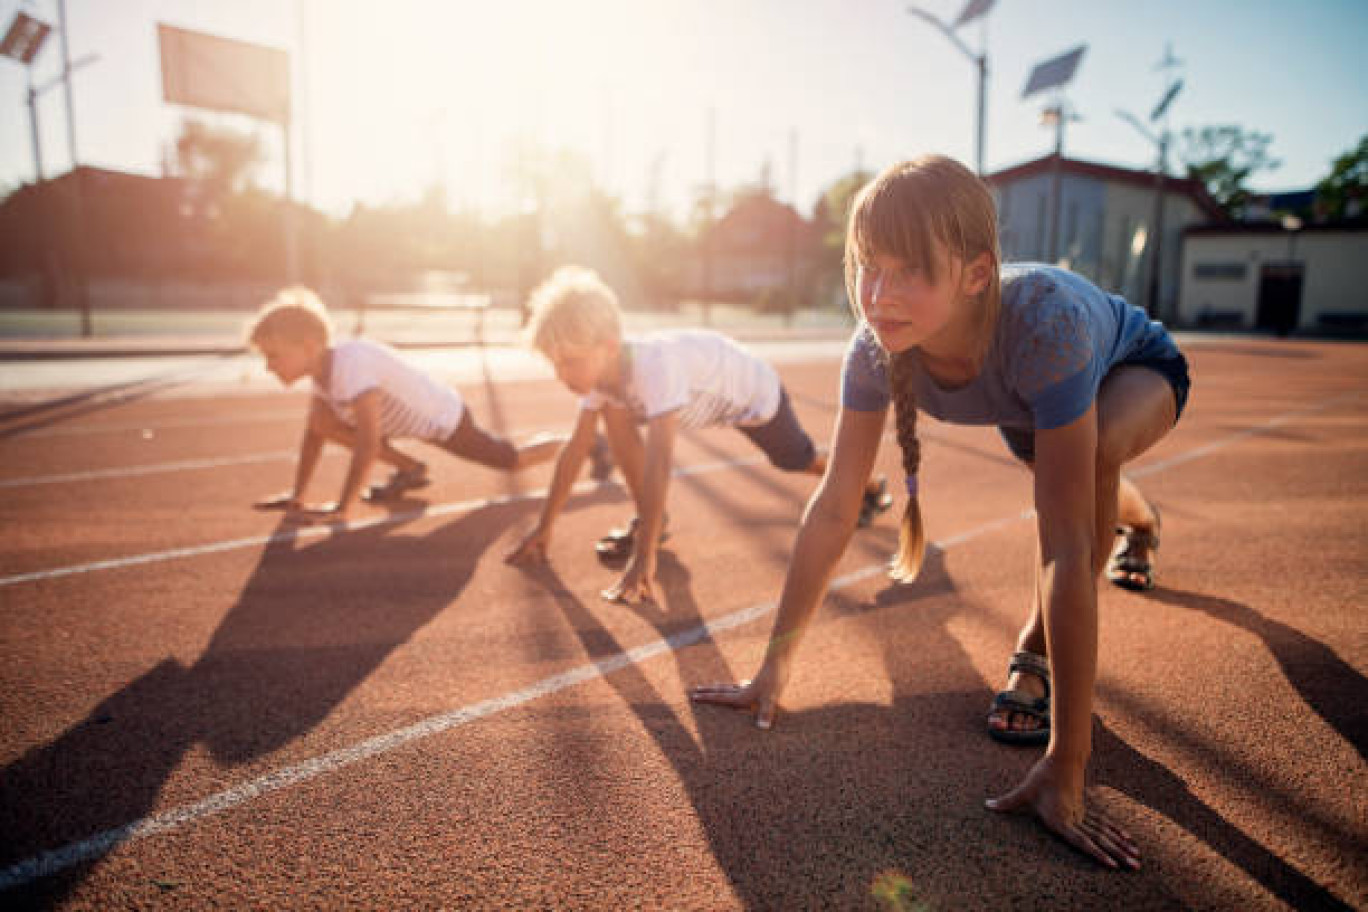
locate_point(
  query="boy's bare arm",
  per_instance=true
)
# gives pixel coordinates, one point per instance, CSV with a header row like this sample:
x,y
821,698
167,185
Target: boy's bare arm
x,y
366,445
568,466
638,578
366,409
310,447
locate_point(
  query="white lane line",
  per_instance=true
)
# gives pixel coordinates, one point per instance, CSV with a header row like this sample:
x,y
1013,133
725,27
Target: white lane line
x,y
307,532
259,417
98,845
187,465
152,469
56,860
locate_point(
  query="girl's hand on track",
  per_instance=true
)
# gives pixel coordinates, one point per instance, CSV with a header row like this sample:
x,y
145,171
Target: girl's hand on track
x,y
1065,811
760,696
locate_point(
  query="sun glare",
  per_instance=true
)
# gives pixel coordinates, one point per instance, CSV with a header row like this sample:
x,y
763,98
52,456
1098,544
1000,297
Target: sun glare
x,y
460,91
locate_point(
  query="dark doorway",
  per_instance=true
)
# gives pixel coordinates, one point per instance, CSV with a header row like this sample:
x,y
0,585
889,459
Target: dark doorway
x,y
1280,288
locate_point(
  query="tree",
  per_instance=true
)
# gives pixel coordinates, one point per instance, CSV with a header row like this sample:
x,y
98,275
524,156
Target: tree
x,y
1342,193
1224,158
223,159
829,217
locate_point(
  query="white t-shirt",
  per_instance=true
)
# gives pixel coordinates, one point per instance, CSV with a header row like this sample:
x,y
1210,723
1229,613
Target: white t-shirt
x,y
708,378
411,403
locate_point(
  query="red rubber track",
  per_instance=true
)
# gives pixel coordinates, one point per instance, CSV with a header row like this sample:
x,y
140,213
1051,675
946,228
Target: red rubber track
x,y
273,723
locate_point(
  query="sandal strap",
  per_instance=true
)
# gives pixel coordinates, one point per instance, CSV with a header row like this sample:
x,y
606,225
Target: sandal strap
x,y
1031,663
1022,702
1129,563
1136,538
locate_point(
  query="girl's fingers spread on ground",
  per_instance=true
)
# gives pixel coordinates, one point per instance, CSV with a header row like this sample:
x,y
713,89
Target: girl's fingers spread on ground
x,y
1080,840
722,694
1108,844
765,715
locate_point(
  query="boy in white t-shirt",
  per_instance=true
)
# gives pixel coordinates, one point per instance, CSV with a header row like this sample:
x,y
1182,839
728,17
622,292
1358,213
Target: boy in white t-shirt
x,y
670,381
364,396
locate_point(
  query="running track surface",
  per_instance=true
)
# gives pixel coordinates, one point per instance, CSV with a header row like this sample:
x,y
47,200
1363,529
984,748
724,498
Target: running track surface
x,y
202,708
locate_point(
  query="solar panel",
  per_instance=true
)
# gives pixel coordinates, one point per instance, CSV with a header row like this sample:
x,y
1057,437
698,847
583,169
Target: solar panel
x,y
1055,72
24,38
972,10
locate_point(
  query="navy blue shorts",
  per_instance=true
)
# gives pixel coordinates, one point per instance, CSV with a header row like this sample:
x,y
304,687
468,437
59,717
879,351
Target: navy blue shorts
x,y
783,439
1175,370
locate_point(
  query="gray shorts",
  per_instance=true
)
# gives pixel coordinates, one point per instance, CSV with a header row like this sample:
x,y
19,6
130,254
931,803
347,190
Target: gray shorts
x,y
470,441
783,439
1021,441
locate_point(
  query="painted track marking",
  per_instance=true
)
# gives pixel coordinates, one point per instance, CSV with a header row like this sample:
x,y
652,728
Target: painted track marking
x,y
56,860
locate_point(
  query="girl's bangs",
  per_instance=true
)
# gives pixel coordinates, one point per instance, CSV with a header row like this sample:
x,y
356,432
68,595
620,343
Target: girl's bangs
x,y
896,221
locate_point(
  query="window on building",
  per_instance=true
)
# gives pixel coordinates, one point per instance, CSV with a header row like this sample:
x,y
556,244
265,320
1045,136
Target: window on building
x,y
1229,271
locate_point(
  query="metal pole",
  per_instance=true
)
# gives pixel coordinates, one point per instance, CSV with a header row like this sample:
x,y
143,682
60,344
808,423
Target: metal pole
x,y
791,251
77,195
1056,181
66,80
291,223
33,127
1157,259
708,218
982,61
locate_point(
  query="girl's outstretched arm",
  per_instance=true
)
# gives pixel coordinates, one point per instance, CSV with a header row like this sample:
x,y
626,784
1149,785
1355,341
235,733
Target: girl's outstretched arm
x,y
827,525
1066,510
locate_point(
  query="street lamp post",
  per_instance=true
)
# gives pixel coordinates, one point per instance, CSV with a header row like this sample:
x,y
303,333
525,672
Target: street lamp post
x,y
1055,74
1161,142
1157,229
973,10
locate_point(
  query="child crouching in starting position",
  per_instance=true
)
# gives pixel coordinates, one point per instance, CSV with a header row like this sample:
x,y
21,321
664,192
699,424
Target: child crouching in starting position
x,y
364,396
1078,381
671,381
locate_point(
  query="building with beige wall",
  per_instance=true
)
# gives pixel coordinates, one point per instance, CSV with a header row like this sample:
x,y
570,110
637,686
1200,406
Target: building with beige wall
x,y
1312,280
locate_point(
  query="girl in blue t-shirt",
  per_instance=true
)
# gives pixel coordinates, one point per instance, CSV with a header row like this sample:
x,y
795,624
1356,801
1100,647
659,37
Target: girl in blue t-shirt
x,y
1078,381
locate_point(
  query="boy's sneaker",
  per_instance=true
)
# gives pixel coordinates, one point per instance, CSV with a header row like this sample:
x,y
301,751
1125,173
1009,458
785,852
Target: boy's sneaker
x,y
402,481
875,502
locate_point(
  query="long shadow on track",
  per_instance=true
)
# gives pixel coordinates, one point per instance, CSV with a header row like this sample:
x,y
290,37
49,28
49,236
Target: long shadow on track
x,y
1331,687
311,624
22,420
853,804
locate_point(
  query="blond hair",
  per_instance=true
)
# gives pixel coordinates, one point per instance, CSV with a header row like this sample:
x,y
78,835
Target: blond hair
x,y
572,307
906,212
295,314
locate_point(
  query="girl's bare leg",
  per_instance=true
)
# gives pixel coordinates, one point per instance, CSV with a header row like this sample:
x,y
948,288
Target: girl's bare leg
x,y
1135,409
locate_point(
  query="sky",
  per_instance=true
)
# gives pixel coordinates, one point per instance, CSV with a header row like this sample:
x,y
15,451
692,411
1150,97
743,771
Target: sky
x,y
393,98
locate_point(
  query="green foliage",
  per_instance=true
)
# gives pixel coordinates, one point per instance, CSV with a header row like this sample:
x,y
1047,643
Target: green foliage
x,y
830,216
1342,194
1224,158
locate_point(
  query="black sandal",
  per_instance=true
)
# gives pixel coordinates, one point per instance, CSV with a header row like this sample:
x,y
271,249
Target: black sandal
x,y
1124,564
619,543
1019,701
402,481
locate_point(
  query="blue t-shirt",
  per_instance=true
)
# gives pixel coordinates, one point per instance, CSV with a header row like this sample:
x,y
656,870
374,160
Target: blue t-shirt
x,y
1057,336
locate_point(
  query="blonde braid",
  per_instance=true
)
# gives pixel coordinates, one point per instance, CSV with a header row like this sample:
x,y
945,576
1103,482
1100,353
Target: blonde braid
x,y
907,561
